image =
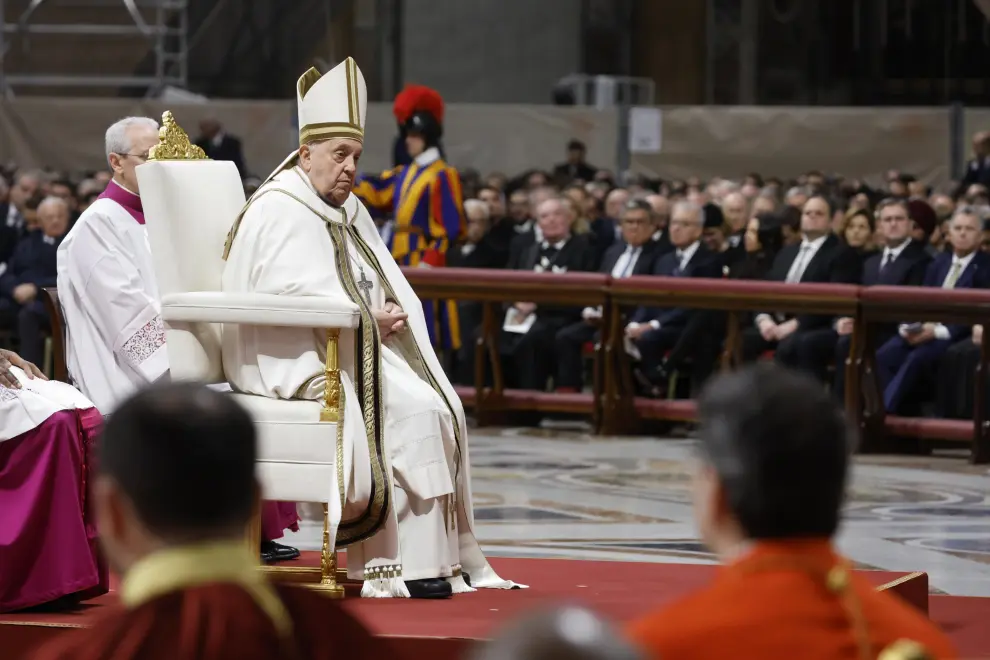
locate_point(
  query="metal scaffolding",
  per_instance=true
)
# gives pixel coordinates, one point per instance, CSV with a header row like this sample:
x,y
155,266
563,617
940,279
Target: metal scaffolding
x,y
162,23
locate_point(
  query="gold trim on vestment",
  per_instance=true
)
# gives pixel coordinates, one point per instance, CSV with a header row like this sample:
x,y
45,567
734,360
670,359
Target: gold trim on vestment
x,y
186,567
369,381
327,130
307,80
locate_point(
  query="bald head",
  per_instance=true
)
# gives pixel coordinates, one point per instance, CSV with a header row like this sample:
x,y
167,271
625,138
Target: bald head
x,y
53,216
567,632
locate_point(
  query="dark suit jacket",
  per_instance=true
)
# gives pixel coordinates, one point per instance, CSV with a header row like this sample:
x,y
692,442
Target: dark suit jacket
x,y
603,236
834,263
576,256
908,269
34,262
518,246
228,149
644,265
975,276
702,264
484,255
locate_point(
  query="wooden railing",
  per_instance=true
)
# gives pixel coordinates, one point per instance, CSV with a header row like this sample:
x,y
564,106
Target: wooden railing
x,y
612,404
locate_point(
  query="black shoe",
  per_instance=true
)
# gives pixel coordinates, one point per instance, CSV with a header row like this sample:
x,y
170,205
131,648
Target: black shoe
x,y
467,578
429,588
272,552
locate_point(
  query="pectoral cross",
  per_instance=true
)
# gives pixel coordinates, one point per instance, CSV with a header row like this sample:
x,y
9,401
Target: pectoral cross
x,y
365,285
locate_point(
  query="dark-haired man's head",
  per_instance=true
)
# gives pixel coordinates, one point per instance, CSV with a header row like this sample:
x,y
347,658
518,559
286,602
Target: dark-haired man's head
x,y
774,451
176,466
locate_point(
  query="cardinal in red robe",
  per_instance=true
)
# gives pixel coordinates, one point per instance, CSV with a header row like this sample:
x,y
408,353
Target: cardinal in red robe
x,y
768,491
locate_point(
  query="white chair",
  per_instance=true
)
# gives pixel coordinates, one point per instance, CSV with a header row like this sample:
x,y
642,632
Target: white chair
x,y
190,204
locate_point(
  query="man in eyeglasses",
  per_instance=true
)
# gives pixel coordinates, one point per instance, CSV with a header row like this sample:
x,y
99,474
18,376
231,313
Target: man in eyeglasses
x,y
116,341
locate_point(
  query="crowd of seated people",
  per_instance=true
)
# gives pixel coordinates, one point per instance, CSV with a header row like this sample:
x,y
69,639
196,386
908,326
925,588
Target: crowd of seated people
x,y
815,228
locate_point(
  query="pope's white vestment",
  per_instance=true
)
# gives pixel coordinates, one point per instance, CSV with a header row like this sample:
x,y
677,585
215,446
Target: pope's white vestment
x,y
404,425
115,340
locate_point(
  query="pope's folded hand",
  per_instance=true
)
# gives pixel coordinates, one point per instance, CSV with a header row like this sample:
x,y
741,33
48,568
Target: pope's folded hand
x,y
390,322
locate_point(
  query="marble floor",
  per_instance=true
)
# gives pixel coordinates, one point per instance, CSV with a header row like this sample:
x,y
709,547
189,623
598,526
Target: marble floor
x,y
569,494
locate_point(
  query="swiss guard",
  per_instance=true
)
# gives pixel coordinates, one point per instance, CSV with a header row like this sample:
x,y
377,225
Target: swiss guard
x,y
425,201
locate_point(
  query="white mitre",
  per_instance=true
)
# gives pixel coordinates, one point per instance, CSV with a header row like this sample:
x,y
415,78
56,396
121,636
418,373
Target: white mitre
x,y
332,105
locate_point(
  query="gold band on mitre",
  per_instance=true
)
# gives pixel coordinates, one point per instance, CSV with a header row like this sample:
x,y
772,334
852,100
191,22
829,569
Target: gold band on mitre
x,y
333,129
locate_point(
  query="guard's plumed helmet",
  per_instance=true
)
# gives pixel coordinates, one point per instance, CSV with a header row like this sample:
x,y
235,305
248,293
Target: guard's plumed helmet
x,y
419,110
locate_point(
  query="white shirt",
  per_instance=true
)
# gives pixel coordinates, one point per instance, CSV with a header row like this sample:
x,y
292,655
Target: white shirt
x,y
626,262
804,256
687,254
428,157
115,338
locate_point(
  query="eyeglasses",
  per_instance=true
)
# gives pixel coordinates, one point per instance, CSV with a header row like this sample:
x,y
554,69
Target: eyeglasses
x,y
142,157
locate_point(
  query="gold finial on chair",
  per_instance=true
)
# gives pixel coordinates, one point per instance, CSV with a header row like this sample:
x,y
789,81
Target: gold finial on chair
x,y
173,143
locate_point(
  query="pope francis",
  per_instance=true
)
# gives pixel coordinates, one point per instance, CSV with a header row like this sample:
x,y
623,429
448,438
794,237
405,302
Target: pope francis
x,y
407,514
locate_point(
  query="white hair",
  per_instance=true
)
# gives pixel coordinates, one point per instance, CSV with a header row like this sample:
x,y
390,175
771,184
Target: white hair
x,y
694,209
52,199
117,141
795,191
477,206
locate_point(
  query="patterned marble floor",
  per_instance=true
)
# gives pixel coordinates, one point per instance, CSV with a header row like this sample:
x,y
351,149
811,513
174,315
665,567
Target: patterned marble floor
x,y
567,494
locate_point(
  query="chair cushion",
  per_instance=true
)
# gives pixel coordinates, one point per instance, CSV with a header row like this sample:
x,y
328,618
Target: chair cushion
x,y
291,431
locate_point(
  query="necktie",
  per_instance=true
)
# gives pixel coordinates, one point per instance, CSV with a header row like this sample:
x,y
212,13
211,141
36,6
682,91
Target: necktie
x,y
950,281
886,260
631,252
799,265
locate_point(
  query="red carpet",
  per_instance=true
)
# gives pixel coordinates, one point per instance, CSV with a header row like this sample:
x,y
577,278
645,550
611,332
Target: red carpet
x,y
618,590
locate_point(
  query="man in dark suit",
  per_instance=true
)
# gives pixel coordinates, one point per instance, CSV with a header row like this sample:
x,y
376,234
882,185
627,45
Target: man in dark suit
x,y
218,145
901,262
575,168
32,268
528,355
652,330
819,257
977,169
904,361
633,255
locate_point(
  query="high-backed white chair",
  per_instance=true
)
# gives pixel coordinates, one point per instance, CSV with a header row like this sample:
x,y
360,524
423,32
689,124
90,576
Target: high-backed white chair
x,y
190,203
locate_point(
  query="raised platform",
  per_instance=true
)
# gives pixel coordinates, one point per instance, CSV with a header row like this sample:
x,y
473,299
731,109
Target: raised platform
x,y
618,590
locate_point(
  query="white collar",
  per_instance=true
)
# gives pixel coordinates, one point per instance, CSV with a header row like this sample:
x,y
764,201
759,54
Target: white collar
x,y
631,249
657,235
50,240
428,157
964,261
687,253
124,188
559,245
894,252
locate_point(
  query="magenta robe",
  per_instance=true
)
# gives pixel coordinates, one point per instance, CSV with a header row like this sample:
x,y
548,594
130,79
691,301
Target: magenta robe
x,y
48,539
